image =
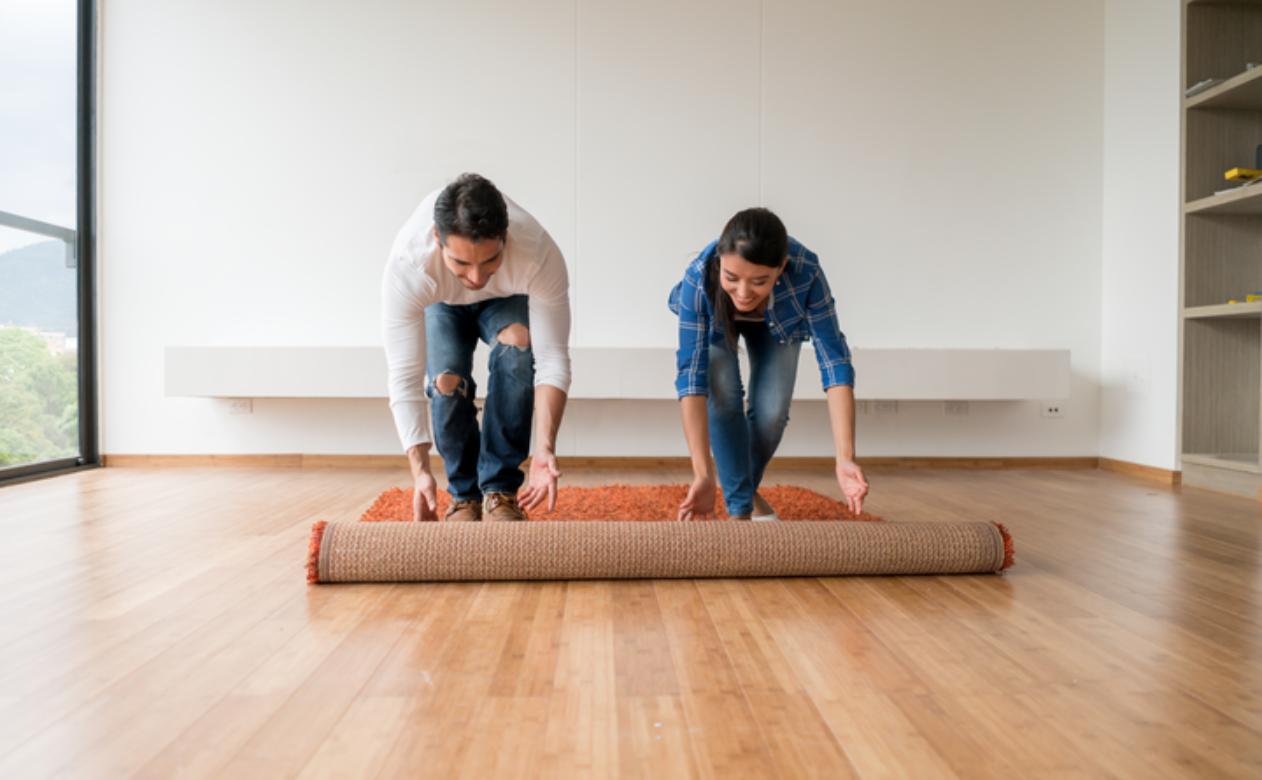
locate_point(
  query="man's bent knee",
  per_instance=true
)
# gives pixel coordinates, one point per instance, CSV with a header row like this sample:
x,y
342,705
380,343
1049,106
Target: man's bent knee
x,y
447,383
515,335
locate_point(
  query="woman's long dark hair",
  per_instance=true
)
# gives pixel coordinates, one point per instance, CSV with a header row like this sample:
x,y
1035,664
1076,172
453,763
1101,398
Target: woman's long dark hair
x,y
759,237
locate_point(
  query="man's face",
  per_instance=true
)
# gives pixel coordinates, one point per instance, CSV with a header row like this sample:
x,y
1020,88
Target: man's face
x,y
472,262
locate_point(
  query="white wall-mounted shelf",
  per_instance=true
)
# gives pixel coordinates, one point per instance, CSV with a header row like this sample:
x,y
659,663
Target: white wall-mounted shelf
x,y
621,373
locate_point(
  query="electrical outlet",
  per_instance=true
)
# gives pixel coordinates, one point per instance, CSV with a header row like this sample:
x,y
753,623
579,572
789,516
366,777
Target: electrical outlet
x,y
240,406
955,408
1052,410
887,407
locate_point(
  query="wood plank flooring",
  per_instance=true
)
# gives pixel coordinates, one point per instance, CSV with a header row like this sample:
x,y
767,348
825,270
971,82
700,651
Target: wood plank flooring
x,y
155,622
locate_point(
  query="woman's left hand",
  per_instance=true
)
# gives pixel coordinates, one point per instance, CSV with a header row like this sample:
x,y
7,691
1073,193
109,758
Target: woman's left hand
x,y
854,486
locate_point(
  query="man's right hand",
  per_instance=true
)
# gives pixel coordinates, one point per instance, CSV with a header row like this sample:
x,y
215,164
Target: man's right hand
x,y
425,489
425,497
699,503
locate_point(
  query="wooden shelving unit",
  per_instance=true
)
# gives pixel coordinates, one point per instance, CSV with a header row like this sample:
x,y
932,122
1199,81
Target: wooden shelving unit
x,y
1221,248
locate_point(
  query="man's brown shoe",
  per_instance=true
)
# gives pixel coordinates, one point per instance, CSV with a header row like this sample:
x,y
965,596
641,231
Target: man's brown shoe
x,y
502,506
464,511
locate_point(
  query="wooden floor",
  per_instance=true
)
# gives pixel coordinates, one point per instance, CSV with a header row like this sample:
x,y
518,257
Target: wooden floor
x,y
156,622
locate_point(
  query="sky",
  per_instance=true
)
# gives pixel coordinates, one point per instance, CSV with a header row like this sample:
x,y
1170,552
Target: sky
x,y
37,114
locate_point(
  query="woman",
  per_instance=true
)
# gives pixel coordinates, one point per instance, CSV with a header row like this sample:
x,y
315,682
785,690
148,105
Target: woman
x,y
755,282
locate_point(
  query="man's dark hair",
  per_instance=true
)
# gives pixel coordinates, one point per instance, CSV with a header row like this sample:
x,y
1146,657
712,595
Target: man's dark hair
x,y
471,207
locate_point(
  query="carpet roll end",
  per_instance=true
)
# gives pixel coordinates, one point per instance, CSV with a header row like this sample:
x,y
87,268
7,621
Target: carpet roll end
x,y
313,551
1009,549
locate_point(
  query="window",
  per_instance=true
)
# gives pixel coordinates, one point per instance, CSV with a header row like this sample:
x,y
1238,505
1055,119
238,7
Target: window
x,y
47,359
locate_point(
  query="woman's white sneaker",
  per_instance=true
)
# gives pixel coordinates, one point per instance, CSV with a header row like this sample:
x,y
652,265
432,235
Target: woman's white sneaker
x,y
763,512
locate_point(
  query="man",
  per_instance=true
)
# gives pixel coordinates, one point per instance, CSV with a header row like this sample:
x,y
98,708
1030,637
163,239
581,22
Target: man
x,y
468,265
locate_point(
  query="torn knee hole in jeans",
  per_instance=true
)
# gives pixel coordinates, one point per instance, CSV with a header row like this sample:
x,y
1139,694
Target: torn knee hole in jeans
x,y
449,384
516,336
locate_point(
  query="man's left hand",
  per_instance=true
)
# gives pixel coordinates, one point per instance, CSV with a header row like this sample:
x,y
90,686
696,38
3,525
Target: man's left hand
x,y
542,482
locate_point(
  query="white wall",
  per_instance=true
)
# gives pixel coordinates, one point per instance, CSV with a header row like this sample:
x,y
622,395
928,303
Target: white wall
x,y
1141,233
945,159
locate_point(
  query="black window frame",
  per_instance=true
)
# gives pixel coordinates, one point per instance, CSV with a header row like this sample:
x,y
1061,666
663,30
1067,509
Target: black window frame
x,y
85,249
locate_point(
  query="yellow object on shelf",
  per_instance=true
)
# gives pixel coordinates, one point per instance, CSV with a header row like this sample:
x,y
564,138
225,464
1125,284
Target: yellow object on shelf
x,y
1251,297
1243,174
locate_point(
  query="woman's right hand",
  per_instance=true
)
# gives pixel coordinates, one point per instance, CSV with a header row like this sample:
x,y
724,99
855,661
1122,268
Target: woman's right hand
x,y
699,503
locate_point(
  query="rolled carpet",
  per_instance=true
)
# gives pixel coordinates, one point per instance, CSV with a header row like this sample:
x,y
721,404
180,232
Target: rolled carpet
x,y
563,550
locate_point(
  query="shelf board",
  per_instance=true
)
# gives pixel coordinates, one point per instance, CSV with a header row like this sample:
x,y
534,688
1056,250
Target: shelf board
x,y
1224,311
1243,91
1244,201
1247,461
1223,2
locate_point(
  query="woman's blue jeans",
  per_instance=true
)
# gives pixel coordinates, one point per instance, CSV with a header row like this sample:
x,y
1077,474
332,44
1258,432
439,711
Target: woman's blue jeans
x,y
486,461
743,438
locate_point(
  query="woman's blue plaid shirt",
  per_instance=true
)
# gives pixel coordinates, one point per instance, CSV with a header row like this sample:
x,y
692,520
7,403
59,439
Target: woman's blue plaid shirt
x,y
801,308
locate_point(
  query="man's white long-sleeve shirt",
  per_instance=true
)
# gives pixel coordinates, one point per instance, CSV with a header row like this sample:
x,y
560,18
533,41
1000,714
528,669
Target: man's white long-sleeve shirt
x,y
416,277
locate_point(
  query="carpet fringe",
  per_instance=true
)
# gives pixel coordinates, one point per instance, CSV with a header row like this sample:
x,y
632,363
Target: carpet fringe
x,y
313,552
1009,549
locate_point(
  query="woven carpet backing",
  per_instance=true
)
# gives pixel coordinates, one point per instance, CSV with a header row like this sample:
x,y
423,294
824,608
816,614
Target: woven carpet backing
x,y
562,550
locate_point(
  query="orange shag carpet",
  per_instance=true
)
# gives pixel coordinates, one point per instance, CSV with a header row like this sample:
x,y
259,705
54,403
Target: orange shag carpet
x,y
633,502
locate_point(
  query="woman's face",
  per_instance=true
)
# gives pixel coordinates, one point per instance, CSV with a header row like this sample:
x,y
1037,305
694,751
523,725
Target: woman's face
x,y
748,284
